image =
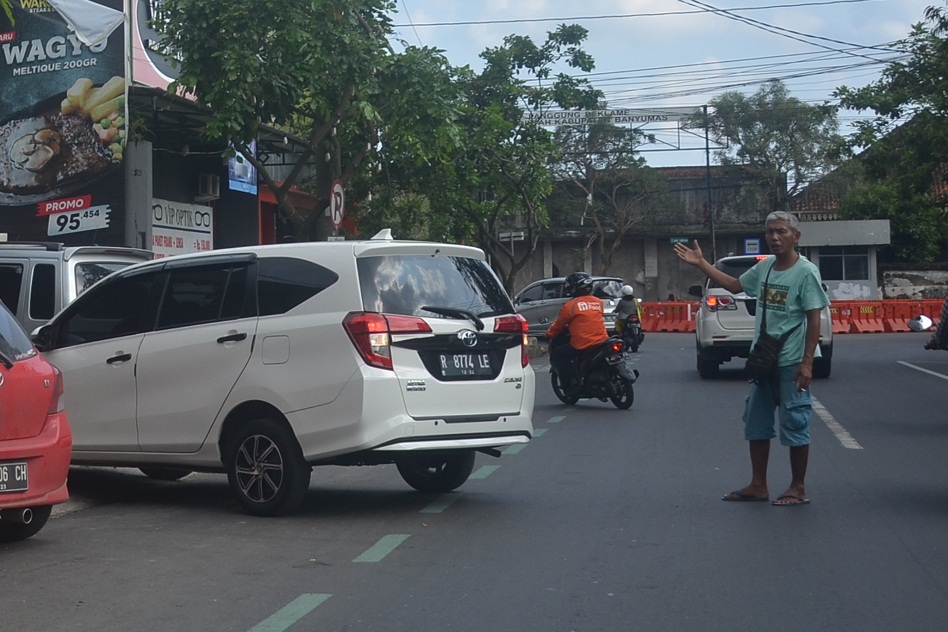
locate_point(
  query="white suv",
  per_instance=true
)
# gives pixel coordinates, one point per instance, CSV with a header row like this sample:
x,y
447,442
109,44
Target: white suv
x,y
724,324
264,361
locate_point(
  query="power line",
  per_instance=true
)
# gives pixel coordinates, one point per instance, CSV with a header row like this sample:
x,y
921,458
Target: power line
x,y
624,15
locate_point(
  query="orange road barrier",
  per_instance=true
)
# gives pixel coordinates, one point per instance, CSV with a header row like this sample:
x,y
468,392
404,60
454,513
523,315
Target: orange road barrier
x,y
860,316
671,316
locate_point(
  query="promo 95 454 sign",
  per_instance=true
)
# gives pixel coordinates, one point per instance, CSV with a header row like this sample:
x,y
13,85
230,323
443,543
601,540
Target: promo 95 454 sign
x,y
73,215
94,218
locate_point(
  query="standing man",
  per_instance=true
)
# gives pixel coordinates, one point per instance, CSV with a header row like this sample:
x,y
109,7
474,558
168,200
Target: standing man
x,y
794,297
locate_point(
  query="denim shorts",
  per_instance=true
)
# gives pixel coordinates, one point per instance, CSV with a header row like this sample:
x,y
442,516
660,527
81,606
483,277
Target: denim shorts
x,y
794,410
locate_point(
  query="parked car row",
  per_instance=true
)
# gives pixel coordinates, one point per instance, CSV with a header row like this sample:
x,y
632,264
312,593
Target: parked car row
x,y
262,362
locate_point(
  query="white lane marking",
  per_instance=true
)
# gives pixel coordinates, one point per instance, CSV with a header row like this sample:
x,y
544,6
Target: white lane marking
x,y
841,433
918,368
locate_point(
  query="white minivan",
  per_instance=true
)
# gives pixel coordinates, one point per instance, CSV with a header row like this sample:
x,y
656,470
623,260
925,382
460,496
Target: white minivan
x,y
264,361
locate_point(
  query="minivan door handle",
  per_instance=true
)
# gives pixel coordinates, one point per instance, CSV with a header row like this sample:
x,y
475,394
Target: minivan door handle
x,y
121,357
232,338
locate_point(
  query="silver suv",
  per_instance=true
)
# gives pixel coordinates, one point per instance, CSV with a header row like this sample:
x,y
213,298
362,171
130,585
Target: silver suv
x,y
540,302
37,279
724,324
264,361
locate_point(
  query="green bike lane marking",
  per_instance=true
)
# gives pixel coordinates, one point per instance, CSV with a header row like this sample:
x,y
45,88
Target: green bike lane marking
x,y
443,501
378,551
289,614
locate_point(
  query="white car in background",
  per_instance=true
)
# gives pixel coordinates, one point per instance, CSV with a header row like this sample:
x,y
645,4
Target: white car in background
x,y
724,324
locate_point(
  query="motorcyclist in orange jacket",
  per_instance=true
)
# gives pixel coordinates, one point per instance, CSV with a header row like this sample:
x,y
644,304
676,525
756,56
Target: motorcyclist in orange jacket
x,y
582,317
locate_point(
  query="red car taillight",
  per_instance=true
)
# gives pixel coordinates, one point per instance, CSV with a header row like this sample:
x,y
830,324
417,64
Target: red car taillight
x,y
57,401
715,303
515,324
371,334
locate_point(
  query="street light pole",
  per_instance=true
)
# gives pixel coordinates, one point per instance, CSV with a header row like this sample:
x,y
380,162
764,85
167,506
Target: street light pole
x,y
707,157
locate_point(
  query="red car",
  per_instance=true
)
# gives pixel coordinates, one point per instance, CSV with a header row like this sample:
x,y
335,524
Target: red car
x,y
35,438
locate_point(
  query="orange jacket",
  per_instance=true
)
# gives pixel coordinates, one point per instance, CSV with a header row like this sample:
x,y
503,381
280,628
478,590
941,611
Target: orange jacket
x,y
582,315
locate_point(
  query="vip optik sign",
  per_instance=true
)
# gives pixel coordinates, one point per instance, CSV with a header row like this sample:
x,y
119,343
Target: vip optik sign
x,y
179,227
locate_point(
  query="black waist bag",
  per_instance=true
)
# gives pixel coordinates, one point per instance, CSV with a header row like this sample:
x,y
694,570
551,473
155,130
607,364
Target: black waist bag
x,y
762,362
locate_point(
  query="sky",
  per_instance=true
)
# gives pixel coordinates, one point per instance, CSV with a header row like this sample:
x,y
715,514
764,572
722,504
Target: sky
x,y
662,53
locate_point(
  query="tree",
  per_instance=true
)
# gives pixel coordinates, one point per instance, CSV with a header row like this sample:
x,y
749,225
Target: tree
x,y
497,177
323,69
906,142
603,180
790,143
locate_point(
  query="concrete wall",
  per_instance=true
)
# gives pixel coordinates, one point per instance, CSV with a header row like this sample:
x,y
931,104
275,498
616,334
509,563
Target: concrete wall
x,y
915,284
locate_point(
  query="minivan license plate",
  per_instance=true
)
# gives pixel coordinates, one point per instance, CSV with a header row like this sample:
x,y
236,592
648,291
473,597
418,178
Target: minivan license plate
x,y
14,477
458,364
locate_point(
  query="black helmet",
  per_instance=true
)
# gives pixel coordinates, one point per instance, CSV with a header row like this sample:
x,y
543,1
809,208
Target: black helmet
x,y
578,284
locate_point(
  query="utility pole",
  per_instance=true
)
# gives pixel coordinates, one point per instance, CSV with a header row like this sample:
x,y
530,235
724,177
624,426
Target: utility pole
x,y
707,158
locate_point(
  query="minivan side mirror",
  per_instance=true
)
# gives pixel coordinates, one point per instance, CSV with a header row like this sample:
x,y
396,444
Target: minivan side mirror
x,y
696,290
43,338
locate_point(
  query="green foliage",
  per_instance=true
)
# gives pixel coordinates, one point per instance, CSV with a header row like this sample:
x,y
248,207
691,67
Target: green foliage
x,y
916,222
493,172
789,142
322,69
907,140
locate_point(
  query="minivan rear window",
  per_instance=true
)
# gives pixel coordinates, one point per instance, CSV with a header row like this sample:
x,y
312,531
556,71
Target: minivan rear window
x,y
403,284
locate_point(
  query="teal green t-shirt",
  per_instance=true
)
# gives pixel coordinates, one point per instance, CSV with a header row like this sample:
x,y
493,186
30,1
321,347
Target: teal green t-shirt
x,y
790,294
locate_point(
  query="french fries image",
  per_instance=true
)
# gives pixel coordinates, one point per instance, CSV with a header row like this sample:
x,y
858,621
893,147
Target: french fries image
x,y
104,106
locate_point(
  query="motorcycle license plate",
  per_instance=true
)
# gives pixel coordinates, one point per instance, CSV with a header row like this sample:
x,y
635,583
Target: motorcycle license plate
x,y
615,358
461,364
14,477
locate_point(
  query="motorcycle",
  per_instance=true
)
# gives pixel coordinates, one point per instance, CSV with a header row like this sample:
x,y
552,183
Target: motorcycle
x,y
607,374
630,329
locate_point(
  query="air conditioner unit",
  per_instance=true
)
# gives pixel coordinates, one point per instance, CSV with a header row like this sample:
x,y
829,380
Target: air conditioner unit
x,y
209,187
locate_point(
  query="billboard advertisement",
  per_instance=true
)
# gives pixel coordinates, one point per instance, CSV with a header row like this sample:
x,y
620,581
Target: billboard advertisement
x,y
62,120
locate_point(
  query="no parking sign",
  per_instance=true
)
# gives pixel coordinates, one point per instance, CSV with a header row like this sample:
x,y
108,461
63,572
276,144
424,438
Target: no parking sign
x,y
337,201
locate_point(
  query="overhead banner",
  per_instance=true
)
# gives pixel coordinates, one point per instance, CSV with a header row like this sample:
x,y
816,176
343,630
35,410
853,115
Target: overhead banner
x,y
634,116
62,120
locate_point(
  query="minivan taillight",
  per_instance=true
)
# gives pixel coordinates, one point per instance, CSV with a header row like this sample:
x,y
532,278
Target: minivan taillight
x,y
515,324
370,332
57,400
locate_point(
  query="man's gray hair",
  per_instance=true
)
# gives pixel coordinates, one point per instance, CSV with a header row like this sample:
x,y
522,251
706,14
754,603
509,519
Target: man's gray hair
x,y
784,216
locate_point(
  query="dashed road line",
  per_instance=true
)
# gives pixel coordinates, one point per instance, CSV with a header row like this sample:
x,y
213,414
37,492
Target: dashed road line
x,y
378,551
442,502
556,420
539,432
918,368
835,427
514,448
289,614
484,471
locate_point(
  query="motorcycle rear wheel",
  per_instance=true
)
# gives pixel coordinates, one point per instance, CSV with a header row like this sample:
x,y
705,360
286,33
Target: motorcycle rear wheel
x,y
559,391
623,400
